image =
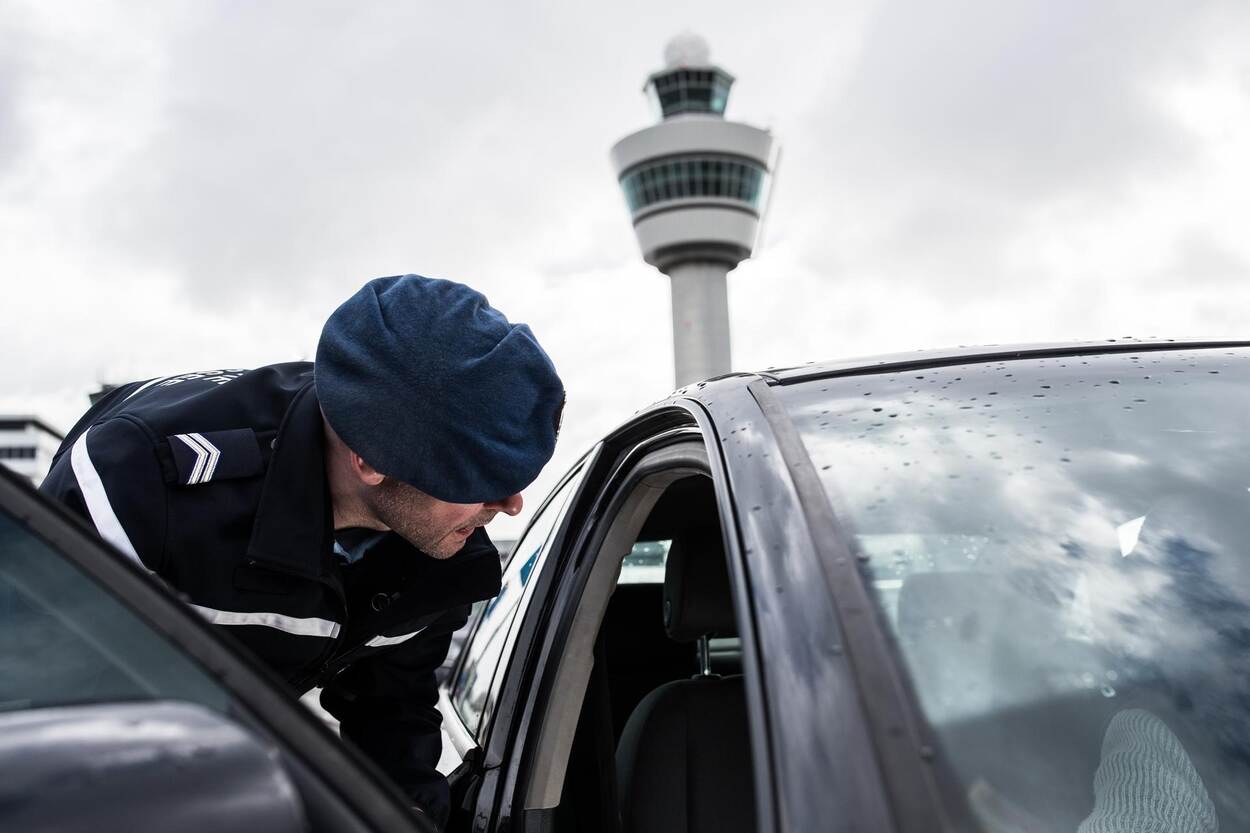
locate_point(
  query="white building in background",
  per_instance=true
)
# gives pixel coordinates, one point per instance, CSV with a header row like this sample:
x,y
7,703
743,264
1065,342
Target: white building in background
x,y
696,188
27,444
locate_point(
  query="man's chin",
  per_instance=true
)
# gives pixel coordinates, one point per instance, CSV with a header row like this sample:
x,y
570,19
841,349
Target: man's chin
x,y
445,547
441,548
444,552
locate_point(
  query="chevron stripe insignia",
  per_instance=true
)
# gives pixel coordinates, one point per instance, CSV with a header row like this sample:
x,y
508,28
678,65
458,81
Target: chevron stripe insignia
x,y
207,456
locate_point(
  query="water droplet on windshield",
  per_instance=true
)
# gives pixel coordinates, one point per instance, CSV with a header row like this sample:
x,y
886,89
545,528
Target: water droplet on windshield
x,y
1107,691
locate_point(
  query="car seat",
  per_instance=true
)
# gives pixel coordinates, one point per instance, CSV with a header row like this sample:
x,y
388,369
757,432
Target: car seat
x,y
684,759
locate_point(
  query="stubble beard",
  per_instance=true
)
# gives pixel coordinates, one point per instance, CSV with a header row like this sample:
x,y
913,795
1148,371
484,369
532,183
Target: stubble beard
x,y
404,510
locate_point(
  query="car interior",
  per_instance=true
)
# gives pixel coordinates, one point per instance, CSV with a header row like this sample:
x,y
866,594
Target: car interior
x,y
661,739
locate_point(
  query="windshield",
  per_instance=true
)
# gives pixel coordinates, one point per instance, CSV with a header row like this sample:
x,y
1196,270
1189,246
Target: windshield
x,y
1060,549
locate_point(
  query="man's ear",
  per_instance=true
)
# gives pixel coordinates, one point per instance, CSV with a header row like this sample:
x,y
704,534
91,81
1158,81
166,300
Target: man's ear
x,y
366,473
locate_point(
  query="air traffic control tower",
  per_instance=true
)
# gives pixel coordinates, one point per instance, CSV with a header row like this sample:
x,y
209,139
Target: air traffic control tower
x,y
695,186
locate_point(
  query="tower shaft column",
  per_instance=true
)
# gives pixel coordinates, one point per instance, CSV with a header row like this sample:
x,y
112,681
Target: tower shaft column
x,y
700,320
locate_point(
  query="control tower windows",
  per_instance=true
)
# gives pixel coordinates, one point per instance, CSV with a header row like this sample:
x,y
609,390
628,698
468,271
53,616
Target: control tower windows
x,y
692,91
692,177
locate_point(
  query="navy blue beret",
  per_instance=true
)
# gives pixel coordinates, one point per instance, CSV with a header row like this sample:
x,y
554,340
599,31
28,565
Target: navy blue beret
x,y
433,386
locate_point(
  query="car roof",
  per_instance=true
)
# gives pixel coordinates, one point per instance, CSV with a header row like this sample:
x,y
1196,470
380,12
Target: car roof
x,y
892,362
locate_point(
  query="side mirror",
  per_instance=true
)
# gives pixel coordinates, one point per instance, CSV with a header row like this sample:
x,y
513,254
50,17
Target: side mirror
x,y
140,766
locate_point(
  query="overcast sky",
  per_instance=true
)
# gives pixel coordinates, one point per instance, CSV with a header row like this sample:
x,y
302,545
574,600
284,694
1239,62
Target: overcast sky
x,y
186,186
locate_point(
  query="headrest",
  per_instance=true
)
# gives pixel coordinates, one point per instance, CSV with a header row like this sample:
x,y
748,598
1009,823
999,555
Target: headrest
x,y
697,600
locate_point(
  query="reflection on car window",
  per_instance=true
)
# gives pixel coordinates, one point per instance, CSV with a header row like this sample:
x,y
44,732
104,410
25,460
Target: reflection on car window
x,y
64,640
478,679
1059,548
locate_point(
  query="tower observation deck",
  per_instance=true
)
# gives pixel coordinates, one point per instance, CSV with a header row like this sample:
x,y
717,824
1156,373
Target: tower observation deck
x,y
695,187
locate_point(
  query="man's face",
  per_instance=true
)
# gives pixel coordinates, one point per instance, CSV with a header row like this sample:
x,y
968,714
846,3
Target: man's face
x,y
433,526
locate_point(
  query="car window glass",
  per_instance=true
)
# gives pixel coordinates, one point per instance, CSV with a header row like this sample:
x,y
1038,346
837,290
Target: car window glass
x,y
645,563
64,640
1058,547
478,677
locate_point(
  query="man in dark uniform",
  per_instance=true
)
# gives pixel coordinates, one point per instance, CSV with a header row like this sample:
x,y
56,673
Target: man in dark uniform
x,y
329,516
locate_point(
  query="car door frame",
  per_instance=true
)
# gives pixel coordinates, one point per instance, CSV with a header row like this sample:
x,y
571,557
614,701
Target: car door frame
x,y
874,766
779,534
623,462
473,783
339,769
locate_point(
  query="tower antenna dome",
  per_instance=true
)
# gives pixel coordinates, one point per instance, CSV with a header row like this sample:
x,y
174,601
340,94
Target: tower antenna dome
x,y
687,50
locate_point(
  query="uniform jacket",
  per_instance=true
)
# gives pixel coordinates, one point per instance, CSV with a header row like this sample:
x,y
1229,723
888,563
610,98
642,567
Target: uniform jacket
x,y
216,482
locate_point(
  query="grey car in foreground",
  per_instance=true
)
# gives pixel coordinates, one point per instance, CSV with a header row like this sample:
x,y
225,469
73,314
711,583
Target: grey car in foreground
x,y
993,589
120,710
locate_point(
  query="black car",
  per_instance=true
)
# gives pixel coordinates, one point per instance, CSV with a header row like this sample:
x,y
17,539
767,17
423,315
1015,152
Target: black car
x,y
985,590
998,590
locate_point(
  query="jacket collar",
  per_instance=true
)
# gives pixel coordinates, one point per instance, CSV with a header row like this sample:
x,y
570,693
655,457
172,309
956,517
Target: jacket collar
x,y
294,529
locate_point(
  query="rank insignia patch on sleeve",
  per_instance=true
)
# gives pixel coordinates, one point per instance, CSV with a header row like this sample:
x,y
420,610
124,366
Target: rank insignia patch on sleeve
x,y
202,457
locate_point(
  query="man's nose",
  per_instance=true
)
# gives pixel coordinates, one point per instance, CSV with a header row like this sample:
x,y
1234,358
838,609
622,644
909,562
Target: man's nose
x,y
509,505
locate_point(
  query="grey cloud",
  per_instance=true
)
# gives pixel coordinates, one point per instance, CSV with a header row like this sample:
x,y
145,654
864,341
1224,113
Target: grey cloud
x,y
11,129
14,77
1027,98
1203,259
301,144
963,122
